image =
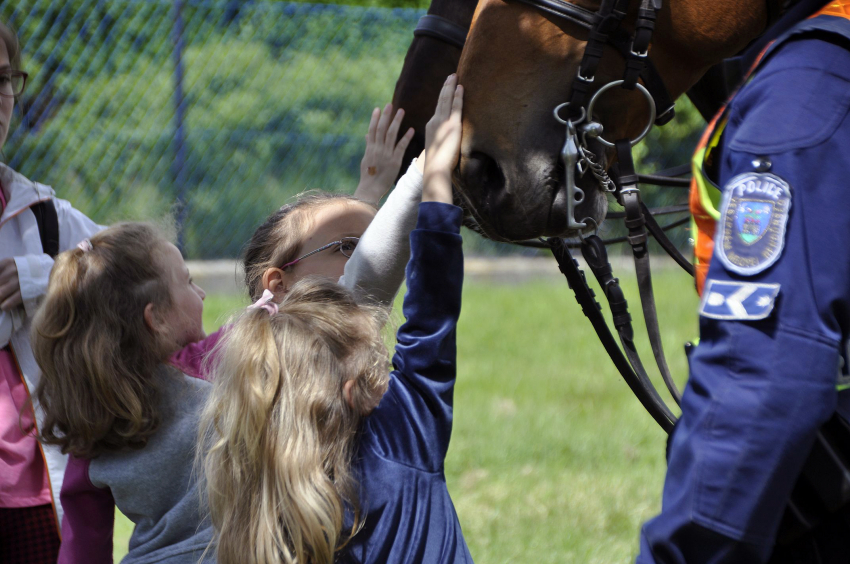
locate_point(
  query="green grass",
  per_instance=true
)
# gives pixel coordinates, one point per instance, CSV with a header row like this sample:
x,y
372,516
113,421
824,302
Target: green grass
x,y
552,459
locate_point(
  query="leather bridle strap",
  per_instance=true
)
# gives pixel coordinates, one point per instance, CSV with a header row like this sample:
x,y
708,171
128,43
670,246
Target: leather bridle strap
x,y
440,28
576,14
604,28
646,394
594,252
661,237
635,222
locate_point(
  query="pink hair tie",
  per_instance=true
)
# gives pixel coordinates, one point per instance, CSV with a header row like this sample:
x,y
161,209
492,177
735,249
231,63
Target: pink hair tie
x,y
84,245
265,302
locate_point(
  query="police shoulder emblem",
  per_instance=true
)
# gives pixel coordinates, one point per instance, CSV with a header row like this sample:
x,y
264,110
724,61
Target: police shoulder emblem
x,y
754,214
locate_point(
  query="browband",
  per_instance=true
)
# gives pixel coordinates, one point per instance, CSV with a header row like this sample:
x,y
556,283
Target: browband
x,y
442,29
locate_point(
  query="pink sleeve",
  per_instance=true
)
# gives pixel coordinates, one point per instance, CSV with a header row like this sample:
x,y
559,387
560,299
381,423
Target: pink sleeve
x,y
89,520
190,360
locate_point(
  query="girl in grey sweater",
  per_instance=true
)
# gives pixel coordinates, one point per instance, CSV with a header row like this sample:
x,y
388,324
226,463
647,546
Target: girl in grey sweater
x,y
117,307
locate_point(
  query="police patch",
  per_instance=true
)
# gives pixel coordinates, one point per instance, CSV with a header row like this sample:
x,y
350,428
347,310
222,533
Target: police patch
x,y
744,301
754,214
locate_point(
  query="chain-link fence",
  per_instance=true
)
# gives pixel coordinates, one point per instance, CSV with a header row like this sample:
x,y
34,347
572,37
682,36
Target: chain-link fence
x,y
228,106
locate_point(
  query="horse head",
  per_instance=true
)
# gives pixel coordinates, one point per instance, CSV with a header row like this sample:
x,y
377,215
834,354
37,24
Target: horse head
x,y
519,64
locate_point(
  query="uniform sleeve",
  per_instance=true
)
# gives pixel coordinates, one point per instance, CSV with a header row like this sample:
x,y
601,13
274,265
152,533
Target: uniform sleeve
x,y
376,269
192,361
88,524
413,423
760,389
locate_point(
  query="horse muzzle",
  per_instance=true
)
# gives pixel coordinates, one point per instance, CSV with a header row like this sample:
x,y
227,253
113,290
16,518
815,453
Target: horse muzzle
x,y
526,199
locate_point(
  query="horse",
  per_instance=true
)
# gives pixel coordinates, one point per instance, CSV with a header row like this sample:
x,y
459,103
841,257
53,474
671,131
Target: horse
x,y
520,63
432,56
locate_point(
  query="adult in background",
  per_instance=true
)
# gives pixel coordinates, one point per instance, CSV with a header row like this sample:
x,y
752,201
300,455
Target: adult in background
x,y
771,367
33,226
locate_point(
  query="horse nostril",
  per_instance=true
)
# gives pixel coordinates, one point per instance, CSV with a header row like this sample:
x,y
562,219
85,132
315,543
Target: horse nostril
x,y
481,172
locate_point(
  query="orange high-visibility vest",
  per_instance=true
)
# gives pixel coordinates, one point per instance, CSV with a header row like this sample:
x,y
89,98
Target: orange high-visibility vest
x,y
705,195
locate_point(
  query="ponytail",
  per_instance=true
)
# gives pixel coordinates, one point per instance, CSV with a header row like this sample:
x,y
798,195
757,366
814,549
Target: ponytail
x,y
278,433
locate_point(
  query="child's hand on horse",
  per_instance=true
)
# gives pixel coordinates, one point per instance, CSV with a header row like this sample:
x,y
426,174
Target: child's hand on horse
x,y
442,143
382,159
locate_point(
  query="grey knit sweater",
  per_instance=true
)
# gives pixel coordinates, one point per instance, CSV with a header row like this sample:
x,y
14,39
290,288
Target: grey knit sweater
x,y
155,486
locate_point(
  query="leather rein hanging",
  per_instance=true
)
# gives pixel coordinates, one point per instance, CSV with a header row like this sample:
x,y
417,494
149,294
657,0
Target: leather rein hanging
x,y
604,29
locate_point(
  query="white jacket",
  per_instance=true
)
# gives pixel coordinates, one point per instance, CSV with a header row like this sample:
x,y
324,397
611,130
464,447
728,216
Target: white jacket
x,y
20,239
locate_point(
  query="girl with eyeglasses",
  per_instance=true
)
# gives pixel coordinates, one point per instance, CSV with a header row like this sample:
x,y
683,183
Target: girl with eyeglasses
x,y
311,452
344,238
34,227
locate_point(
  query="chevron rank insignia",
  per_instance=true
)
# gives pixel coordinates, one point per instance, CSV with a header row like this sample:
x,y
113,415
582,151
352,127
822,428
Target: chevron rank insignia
x,y
754,213
744,301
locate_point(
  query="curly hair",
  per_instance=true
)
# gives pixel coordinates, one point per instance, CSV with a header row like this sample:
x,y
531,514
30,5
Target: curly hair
x,y
97,356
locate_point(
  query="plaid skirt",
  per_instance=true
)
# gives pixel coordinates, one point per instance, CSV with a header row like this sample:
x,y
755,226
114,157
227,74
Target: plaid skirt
x,y
28,535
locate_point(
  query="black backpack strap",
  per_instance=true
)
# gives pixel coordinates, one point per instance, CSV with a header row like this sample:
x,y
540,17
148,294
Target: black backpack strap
x,y
48,226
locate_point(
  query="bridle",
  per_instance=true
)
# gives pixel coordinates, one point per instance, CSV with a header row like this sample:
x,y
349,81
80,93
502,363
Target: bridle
x,y
622,181
578,158
604,28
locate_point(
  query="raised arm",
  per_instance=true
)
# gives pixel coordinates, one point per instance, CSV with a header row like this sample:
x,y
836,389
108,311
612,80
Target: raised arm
x,y
414,420
376,269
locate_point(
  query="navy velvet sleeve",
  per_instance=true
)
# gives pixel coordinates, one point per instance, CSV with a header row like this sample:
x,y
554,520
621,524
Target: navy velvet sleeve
x,y
413,423
759,390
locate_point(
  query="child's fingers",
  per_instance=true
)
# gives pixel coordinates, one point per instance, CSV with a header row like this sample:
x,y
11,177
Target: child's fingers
x,y
457,102
399,150
445,95
392,131
373,125
384,122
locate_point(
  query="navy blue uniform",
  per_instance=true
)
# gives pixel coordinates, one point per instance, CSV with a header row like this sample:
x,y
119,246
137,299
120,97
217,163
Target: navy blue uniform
x,y
773,329
410,516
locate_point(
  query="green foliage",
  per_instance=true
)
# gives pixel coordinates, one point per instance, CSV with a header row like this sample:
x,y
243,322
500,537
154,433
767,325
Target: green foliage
x,y
277,100
277,97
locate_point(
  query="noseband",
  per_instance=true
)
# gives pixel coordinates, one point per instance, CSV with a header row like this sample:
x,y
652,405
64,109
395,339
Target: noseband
x,y
604,29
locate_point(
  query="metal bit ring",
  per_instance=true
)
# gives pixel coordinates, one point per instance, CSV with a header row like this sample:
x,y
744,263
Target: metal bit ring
x,y
561,120
607,87
595,227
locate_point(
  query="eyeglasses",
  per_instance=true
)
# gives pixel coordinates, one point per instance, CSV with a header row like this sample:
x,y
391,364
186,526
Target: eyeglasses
x,y
12,83
346,247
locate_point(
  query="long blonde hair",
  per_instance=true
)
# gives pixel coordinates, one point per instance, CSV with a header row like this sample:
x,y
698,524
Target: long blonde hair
x,y
97,356
277,431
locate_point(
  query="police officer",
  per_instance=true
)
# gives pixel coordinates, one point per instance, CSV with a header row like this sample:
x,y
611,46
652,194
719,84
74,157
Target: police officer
x,y
770,368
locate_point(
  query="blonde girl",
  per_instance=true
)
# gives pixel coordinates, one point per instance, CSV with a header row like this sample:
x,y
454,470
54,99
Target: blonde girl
x,y
314,455
117,306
